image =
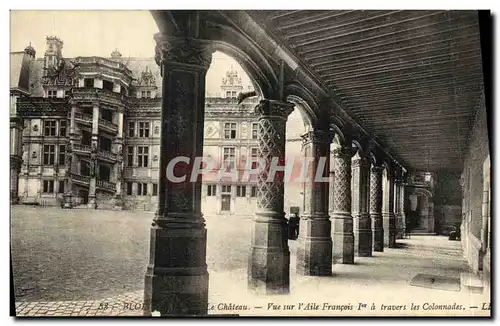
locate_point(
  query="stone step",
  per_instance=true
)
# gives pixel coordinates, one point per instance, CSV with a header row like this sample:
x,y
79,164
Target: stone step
x,y
471,282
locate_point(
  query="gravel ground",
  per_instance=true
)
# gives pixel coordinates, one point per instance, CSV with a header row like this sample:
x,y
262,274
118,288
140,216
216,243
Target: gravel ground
x,y
91,254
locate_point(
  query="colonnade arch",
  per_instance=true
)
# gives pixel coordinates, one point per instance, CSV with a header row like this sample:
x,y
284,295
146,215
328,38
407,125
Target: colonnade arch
x,y
177,282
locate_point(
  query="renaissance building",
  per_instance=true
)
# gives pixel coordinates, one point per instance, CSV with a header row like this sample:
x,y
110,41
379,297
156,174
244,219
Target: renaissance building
x,y
86,132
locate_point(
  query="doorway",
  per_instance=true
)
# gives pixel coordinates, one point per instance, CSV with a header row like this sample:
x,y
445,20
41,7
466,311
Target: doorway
x,y
225,203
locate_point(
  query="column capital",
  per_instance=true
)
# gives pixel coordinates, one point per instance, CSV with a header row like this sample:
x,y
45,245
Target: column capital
x,y
377,169
316,136
95,103
361,162
344,151
184,50
274,108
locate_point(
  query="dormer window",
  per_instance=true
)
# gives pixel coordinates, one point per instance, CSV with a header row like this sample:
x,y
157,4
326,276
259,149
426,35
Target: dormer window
x,y
148,94
52,93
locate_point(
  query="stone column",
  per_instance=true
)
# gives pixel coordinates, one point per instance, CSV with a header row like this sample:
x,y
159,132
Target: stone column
x,y
363,236
68,187
93,157
402,201
16,127
388,211
119,162
397,208
314,248
269,262
376,207
176,281
342,224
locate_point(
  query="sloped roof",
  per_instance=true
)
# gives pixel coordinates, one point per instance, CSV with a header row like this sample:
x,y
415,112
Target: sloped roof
x,y
19,71
136,65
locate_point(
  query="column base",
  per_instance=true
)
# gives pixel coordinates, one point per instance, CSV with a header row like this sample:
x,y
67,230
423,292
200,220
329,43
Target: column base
x,y
389,230
314,247
92,203
67,201
118,203
342,238
269,261
399,227
378,232
363,238
176,281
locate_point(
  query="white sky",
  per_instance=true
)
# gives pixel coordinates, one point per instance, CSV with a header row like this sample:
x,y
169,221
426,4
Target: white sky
x,y
98,33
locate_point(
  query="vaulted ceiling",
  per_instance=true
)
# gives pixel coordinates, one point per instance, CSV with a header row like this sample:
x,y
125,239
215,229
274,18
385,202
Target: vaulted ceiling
x,y
412,78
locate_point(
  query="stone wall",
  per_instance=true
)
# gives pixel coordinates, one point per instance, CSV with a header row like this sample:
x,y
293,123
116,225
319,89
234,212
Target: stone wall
x,y
472,190
447,201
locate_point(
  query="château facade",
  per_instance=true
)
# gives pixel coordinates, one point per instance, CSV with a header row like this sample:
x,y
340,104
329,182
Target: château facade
x,y
85,131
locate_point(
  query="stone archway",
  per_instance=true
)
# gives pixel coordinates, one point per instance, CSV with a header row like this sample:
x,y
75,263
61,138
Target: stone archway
x,y
421,210
176,281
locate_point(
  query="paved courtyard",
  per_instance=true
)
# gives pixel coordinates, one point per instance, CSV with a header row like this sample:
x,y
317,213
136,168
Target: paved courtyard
x,y
92,263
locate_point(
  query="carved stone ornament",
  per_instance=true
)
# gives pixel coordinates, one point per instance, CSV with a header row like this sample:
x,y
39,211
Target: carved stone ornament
x,y
35,128
274,108
33,154
316,136
155,157
182,50
157,130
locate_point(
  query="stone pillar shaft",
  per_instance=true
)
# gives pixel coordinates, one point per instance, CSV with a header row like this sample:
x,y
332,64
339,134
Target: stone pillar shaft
x,y
93,157
16,148
397,208
402,213
342,223
176,281
376,208
314,248
269,261
363,236
68,187
388,213
118,168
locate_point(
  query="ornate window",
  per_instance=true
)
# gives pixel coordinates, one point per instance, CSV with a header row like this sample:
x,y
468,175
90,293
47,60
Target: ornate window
x,y
129,188
88,82
142,189
254,157
130,156
131,129
142,156
253,193
211,190
62,154
49,154
49,128
241,191
61,187
230,130
143,129
255,130
62,128
48,186
226,189
229,157
52,93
